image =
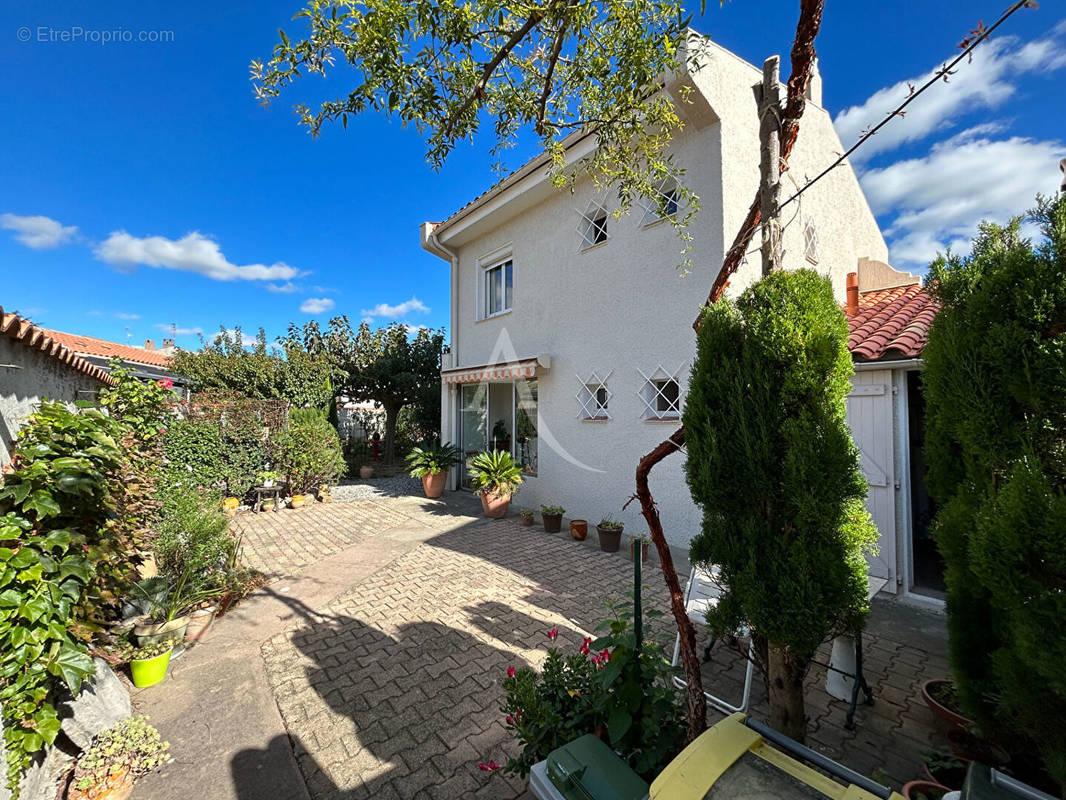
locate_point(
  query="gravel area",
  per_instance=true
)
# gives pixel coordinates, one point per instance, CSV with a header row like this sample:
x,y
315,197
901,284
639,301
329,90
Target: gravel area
x,y
349,491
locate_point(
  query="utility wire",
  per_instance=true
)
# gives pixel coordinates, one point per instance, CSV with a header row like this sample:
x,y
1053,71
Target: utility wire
x,y
943,72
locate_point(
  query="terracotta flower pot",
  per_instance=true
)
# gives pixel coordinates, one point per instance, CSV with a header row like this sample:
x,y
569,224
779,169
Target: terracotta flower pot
x,y
932,791
553,523
947,719
527,520
117,787
298,501
495,505
609,540
643,548
953,777
366,472
579,529
433,484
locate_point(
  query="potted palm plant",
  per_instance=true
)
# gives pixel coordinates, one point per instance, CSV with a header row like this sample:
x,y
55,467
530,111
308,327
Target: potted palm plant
x,y
553,518
610,532
495,475
431,464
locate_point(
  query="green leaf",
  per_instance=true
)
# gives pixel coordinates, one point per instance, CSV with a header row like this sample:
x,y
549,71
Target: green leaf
x,y
612,671
618,723
42,504
73,666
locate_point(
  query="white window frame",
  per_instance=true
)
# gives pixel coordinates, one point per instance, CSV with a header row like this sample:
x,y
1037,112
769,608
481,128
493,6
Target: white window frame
x,y
593,224
668,190
651,392
486,264
810,241
589,407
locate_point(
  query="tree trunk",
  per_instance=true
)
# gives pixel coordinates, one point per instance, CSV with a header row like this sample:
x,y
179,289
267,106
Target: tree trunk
x,y
392,413
785,683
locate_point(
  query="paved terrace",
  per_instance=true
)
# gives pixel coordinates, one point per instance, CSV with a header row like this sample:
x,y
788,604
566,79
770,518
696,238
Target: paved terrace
x,y
371,664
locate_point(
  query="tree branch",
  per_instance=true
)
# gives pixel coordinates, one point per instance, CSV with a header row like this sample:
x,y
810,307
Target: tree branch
x,y
557,47
486,73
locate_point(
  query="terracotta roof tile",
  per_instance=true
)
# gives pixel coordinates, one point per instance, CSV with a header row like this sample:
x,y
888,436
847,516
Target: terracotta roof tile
x,y
24,331
91,346
891,323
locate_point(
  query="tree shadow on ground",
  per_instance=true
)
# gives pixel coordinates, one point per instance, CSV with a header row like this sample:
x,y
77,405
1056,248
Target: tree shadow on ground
x,y
403,712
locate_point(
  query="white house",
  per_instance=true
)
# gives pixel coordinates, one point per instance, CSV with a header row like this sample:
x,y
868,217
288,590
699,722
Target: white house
x,y
571,330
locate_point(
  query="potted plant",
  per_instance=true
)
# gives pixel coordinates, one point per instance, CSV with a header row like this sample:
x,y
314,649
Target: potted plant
x,y
117,757
148,663
579,529
610,532
553,518
154,601
230,506
642,541
495,476
527,516
267,478
431,464
366,472
943,700
298,500
943,768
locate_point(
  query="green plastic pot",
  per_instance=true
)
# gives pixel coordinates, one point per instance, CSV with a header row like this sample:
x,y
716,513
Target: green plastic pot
x,y
149,671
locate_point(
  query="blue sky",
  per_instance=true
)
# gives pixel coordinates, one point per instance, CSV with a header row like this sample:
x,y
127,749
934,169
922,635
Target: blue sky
x,y
158,152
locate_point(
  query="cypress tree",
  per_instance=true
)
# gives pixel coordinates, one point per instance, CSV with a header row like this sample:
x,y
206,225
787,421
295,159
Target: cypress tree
x,y
773,466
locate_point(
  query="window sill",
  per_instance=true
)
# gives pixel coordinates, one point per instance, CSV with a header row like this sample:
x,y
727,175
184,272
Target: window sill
x,y
596,419
594,246
664,418
810,260
497,315
657,221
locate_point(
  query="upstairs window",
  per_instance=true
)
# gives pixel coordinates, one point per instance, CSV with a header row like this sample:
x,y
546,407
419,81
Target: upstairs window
x,y
664,204
593,226
499,288
594,397
810,241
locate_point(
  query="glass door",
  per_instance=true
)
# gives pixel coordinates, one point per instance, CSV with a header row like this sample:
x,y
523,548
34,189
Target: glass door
x,y
473,430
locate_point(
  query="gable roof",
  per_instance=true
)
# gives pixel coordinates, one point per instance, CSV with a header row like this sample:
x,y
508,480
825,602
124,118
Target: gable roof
x,y
891,323
91,346
25,332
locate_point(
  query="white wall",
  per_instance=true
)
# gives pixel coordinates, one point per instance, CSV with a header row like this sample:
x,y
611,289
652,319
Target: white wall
x,y
623,305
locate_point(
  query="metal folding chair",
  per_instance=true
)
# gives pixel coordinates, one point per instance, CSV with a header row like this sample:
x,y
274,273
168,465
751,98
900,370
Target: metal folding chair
x,y
701,595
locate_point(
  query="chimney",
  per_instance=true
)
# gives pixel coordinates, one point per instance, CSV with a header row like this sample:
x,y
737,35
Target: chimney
x,y
168,344
853,293
149,344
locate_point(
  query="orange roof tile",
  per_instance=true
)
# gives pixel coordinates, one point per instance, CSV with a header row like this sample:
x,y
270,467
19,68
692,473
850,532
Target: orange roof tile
x,y
24,331
91,346
891,323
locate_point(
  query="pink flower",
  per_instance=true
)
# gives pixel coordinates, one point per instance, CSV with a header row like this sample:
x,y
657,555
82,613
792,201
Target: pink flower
x,y
492,766
584,649
605,655
167,383
510,720
510,672
553,633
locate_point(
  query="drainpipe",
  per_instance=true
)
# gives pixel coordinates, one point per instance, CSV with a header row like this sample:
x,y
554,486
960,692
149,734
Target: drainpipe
x,y
853,293
437,245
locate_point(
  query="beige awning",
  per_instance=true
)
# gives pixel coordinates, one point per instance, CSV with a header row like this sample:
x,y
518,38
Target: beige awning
x,y
502,371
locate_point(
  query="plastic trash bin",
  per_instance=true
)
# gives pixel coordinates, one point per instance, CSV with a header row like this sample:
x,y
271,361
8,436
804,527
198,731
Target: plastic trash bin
x,y
984,783
585,769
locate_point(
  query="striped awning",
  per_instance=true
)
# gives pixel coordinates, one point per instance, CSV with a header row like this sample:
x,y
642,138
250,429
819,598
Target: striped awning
x,y
507,370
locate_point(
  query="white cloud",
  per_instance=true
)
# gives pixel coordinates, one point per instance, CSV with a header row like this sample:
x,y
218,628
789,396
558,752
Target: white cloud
x,y
283,288
985,83
124,315
936,201
194,252
316,305
399,310
176,330
38,232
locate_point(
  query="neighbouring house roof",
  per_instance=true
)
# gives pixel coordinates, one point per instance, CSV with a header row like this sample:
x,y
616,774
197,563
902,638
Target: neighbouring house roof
x,y
25,332
101,348
891,323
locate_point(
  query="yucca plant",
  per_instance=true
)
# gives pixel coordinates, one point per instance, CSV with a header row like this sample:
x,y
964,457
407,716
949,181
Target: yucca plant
x,y
495,472
430,460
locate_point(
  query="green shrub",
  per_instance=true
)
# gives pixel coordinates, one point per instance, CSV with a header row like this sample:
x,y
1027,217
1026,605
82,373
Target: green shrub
x,y
495,471
995,386
193,450
772,464
309,453
132,746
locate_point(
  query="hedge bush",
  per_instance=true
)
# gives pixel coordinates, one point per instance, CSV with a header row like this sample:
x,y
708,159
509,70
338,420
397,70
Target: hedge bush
x,y
995,384
309,453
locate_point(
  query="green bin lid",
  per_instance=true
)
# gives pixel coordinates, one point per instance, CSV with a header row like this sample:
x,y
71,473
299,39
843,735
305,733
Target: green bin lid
x,y
587,769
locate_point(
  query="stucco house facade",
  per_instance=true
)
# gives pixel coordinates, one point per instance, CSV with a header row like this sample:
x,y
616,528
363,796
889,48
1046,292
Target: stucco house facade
x,y
35,366
571,330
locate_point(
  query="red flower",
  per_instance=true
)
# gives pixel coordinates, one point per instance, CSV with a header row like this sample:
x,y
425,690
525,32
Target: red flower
x,y
510,672
492,766
554,632
167,383
605,655
510,720
584,649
